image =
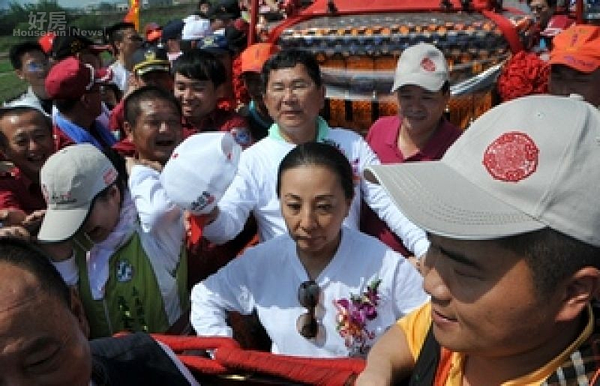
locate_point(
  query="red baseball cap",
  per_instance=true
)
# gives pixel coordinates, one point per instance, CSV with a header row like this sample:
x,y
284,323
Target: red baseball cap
x,y
70,79
577,47
254,57
153,32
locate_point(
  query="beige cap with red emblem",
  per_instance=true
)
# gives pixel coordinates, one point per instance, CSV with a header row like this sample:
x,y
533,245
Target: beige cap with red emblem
x,y
71,178
525,165
421,65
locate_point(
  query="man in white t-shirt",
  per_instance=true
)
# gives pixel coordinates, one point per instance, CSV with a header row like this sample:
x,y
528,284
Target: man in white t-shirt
x,y
124,40
294,94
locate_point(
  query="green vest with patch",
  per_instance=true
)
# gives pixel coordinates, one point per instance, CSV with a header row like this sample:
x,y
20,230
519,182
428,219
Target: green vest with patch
x,y
132,299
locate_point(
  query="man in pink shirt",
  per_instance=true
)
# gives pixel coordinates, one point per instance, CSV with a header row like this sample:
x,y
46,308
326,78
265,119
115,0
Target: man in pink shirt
x,y
419,132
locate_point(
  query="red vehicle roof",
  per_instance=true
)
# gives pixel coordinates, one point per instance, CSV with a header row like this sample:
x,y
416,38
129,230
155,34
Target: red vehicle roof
x,y
320,7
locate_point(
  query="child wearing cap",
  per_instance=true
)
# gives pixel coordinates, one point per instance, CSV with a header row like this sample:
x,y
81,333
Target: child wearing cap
x,y
575,63
130,271
419,132
514,263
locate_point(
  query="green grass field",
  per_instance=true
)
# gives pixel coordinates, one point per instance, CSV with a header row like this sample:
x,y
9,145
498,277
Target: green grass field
x,y
10,85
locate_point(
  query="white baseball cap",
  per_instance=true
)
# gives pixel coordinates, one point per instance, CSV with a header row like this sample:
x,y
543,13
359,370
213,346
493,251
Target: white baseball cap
x,y
200,169
525,165
421,65
71,178
195,28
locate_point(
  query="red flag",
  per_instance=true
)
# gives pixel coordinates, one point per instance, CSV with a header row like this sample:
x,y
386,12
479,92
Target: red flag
x,y
133,16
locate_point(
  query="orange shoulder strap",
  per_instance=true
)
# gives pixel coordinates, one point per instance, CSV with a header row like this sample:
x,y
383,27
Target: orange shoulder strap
x,y
443,369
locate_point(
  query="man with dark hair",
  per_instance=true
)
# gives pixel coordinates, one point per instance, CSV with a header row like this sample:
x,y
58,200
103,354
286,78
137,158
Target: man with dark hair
x,y
220,46
153,123
43,332
75,88
542,11
151,67
199,79
203,8
124,40
547,25
514,264
31,64
26,141
294,94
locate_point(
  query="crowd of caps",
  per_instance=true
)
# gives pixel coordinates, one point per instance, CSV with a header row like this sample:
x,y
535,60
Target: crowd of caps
x,y
194,178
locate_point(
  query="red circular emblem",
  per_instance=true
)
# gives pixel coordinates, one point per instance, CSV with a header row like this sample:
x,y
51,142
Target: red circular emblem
x,y
511,157
428,64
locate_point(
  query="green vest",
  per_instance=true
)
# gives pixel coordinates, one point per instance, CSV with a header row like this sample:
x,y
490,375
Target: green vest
x,y
132,299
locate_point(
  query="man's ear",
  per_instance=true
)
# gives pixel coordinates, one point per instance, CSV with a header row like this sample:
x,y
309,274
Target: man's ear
x,y
79,312
115,193
19,74
579,290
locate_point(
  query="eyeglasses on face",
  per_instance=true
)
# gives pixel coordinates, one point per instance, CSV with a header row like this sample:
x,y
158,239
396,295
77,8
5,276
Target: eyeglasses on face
x,y
297,88
308,296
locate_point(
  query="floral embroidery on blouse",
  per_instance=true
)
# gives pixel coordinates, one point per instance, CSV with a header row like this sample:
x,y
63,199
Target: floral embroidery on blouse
x,y
353,316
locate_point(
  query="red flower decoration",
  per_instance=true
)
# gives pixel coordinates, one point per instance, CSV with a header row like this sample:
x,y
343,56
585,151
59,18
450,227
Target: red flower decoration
x,y
523,74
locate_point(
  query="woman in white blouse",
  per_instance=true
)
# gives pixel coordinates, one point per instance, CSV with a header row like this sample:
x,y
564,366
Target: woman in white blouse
x,y
322,290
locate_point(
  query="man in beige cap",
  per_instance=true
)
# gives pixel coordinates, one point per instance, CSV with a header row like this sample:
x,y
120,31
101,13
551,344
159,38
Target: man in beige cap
x,y
129,270
419,132
514,262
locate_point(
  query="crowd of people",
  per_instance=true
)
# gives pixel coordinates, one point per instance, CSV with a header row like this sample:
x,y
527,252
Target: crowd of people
x,y
439,254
